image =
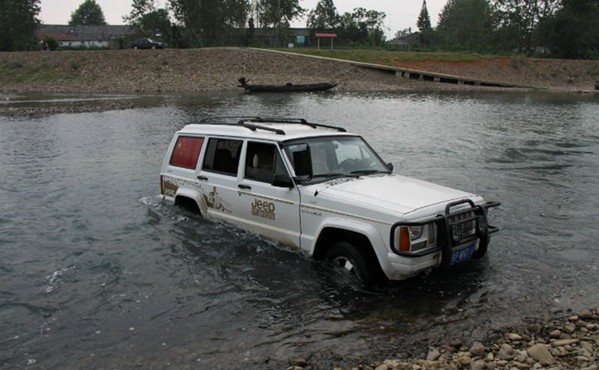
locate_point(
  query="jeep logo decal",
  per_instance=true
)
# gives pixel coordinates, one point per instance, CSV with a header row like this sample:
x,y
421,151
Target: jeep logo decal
x,y
263,209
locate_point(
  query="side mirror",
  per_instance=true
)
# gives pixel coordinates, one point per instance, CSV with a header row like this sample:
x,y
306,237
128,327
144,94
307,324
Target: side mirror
x,y
390,166
302,161
282,181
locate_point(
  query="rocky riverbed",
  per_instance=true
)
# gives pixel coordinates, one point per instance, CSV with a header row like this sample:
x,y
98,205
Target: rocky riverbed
x,y
550,342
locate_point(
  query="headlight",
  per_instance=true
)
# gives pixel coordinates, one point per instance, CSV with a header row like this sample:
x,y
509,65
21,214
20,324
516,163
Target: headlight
x,y
416,232
410,238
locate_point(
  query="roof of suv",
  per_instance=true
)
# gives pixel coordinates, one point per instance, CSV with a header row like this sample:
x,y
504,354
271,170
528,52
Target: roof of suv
x,y
279,129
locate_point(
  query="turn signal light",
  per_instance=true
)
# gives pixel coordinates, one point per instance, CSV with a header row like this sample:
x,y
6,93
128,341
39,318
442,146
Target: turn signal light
x,y
404,239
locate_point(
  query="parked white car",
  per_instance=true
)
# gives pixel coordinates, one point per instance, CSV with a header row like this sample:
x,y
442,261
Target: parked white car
x,y
325,192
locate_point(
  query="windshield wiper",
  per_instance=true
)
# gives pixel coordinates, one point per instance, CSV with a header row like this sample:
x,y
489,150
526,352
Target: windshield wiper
x,y
333,175
368,172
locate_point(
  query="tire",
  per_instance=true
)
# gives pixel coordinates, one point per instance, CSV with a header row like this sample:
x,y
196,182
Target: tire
x,y
482,248
347,261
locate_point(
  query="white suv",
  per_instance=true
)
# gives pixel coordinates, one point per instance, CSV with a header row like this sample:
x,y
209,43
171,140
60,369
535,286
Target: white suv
x,y
326,192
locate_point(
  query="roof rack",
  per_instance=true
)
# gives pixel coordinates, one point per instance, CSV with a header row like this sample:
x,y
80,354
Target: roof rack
x,y
250,123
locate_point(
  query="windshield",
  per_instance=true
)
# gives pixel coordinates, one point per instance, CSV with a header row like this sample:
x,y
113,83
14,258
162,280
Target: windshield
x,y
337,156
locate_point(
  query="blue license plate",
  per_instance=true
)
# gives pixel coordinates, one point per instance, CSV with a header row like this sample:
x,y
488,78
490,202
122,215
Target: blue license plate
x,y
462,254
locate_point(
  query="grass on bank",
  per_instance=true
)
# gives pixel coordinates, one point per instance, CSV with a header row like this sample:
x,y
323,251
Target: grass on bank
x,y
387,56
22,71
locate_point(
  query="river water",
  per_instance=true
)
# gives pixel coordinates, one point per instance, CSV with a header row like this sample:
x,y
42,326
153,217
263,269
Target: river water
x,y
97,272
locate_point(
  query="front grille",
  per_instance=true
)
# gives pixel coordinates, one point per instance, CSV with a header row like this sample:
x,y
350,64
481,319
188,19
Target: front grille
x,y
462,225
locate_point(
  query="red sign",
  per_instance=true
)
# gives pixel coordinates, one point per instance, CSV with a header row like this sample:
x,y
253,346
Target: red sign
x,y
329,35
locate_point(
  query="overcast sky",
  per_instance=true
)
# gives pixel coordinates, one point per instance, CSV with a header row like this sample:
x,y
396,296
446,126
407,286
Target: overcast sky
x,y
401,14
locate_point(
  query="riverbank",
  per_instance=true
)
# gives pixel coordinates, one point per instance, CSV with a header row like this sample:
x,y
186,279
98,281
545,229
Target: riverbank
x,y
552,341
558,342
218,69
179,70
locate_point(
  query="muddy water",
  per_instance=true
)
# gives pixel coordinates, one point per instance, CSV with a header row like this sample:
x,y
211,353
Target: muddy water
x,y
97,272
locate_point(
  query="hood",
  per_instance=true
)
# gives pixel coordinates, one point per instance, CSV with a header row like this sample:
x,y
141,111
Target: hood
x,y
391,192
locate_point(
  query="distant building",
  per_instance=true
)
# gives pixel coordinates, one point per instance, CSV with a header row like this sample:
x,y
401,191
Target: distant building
x,y
412,40
267,37
85,36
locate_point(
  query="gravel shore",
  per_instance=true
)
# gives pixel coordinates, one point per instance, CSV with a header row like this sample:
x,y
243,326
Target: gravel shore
x,y
208,70
554,342
558,343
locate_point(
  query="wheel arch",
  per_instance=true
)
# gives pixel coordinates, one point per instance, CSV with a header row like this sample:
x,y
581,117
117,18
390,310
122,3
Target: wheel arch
x,y
360,240
192,200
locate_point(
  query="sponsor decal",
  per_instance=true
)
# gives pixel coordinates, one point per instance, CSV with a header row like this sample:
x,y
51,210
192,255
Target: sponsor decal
x,y
213,200
311,212
170,188
264,209
172,185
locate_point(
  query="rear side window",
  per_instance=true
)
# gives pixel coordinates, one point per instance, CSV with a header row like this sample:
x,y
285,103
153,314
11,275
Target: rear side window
x,y
186,152
222,155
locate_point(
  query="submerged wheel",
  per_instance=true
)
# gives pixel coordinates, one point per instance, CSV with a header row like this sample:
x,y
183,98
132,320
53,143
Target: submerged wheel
x,y
483,244
482,248
349,263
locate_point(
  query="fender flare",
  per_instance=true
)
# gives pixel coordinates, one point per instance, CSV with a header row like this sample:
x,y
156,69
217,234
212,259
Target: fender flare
x,y
196,196
363,228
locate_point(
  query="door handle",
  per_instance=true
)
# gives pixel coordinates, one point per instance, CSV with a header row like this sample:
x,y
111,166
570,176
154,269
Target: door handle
x,y
244,186
202,178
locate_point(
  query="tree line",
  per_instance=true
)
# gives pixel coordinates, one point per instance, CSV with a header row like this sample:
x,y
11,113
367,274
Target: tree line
x,y
226,22
559,28
563,28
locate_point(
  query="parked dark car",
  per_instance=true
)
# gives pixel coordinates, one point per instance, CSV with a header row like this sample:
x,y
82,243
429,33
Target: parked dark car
x,y
147,44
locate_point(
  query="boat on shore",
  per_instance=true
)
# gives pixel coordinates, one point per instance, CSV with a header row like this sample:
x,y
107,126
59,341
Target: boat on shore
x,y
288,87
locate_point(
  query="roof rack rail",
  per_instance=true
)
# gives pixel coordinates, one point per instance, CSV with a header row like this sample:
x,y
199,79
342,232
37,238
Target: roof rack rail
x,y
255,127
221,120
250,122
301,121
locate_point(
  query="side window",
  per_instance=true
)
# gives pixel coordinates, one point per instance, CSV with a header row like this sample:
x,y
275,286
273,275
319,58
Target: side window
x,y
186,152
260,162
222,155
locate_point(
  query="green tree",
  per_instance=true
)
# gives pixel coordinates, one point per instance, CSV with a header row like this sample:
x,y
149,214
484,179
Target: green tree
x,y
89,13
466,25
278,14
362,27
18,24
424,20
573,32
324,16
210,22
519,18
139,9
147,20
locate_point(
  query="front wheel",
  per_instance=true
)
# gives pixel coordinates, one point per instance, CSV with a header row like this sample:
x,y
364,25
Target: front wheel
x,y
483,245
349,263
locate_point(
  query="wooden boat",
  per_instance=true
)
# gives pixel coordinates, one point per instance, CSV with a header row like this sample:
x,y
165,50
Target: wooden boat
x,y
288,87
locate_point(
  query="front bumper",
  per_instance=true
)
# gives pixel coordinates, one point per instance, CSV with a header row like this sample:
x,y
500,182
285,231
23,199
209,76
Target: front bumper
x,y
462,222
